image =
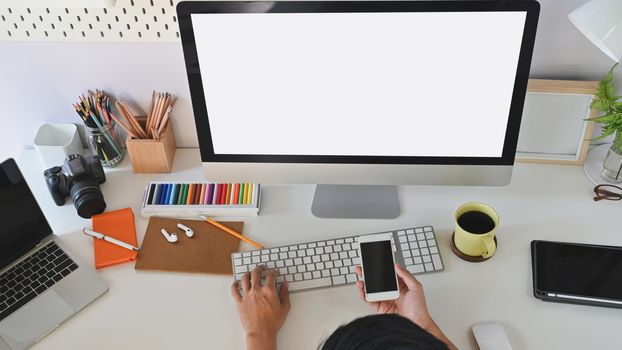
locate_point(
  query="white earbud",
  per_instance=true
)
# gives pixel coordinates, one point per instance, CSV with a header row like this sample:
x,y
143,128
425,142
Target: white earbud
x,y
171,237
188,230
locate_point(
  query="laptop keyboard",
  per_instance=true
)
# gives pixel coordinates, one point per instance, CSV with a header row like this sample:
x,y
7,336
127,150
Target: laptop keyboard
x,y
33,276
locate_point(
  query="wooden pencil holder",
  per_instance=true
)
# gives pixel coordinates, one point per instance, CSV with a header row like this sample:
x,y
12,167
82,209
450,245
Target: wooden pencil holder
x,y
152,156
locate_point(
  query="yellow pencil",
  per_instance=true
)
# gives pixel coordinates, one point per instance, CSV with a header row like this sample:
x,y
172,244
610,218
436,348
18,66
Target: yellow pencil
x,y
231,232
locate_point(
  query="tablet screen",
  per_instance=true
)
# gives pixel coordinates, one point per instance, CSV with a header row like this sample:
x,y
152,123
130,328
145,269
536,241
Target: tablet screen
x,y
575,269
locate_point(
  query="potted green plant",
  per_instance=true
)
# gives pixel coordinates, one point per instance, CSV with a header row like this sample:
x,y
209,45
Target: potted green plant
x,y
608,102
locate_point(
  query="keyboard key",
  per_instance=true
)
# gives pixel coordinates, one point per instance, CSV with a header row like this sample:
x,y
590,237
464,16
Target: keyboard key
x,y
306,260
339,279
417,260
427,259
271,265
309,284
431,243
298,261
343,255
436,260
338,263
237,262
255,253
423,244
406,253
401,233
264,258
404,246
329,264
255,260
280,263
415,269
292,269
302,253
403,239
302,268
321,244
289,262
306,275
316,259
319,266
425,251
292,255
420,236
351,278
298,277
429,267
325,273
334,272
325,257
246,261
433,250
241,269
352,254
319,250
328,249
310,251
344,270
289,278
282,256
347,262
317,274
283,271
408,261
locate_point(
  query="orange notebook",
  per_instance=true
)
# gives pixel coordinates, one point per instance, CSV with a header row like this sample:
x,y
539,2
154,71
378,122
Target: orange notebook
x,y
118,224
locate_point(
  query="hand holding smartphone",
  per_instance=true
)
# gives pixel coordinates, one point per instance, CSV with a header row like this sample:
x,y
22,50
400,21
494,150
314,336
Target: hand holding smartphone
x,y
378,262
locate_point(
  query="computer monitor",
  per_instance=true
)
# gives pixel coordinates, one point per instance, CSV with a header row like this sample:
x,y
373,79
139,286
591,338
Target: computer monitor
x,y
358,93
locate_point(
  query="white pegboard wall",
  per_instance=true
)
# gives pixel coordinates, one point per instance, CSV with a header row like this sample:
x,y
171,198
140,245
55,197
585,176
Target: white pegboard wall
x,y
126,21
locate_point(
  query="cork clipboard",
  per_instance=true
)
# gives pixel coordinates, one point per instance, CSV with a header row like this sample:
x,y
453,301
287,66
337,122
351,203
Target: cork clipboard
x,y
208,251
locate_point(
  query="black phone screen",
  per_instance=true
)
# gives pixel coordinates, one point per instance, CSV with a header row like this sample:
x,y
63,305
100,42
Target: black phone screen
x,y
377,259
578,269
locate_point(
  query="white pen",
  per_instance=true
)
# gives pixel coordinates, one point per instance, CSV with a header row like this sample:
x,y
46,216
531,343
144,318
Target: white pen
x,y
98,235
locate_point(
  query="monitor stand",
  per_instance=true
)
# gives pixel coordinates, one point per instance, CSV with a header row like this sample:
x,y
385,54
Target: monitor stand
x,y
356,202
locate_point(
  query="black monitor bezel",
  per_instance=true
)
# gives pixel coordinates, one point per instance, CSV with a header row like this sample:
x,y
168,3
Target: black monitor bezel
x,y
186,8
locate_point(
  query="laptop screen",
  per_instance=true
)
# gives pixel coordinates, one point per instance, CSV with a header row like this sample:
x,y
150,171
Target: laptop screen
x,y
22,224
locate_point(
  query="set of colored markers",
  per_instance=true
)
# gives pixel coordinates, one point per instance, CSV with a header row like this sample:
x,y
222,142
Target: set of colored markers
x,y
180,199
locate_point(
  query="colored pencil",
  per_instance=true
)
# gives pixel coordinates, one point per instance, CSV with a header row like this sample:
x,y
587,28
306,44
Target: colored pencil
x,y
231,232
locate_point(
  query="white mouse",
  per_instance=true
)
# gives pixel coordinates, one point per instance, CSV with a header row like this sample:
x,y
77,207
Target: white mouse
x,y
490,336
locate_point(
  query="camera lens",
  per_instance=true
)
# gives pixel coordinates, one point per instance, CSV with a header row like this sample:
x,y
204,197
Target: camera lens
x,y
87,197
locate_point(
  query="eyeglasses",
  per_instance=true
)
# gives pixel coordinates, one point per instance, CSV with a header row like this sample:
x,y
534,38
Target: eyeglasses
x,y
608,192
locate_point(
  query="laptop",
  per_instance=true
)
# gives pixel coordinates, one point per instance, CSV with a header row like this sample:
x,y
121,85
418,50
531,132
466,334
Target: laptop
x,y
42,284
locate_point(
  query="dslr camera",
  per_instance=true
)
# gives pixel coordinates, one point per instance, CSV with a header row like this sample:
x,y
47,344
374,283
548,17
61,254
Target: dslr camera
x,y
78,177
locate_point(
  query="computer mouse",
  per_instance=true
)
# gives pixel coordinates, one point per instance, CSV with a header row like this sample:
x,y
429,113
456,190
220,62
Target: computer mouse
x,y
491,336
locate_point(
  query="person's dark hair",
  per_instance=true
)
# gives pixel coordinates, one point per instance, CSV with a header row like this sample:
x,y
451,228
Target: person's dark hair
x,y
382,332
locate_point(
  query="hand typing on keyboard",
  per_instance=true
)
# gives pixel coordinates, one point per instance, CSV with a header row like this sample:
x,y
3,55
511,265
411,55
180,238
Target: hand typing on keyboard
x,y
262,309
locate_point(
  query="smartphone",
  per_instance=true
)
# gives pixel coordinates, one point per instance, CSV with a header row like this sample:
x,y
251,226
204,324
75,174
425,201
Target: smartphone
x,y
378,266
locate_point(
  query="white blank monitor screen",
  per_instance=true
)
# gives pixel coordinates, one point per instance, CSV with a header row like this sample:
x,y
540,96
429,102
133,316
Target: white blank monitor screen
x,y
431,84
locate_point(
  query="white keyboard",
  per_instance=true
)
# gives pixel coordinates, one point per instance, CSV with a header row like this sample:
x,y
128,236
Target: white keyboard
x,y
331,262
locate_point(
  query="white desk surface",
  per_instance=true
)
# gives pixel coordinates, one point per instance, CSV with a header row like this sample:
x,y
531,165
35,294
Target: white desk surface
x,y
156,310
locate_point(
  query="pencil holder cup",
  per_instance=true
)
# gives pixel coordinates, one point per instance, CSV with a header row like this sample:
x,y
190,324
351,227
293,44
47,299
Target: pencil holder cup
x,y
55,141
107,143
152,156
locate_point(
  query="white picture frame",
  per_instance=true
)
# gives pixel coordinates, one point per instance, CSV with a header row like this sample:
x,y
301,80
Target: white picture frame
x,y
553,126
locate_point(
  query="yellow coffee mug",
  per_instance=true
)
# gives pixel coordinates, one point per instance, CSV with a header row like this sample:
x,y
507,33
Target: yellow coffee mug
x,y
476,244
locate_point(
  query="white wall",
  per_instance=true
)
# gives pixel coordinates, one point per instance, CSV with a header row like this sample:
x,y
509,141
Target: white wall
x,y
40,81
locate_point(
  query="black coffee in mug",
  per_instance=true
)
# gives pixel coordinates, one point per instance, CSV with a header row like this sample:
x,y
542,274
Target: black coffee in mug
x,y
476,222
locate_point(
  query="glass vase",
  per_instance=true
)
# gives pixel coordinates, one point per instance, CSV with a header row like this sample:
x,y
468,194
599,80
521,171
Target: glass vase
x,y
612,166
106,142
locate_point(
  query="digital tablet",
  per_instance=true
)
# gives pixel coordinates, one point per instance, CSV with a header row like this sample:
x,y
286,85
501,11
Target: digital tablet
x,y
577,273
